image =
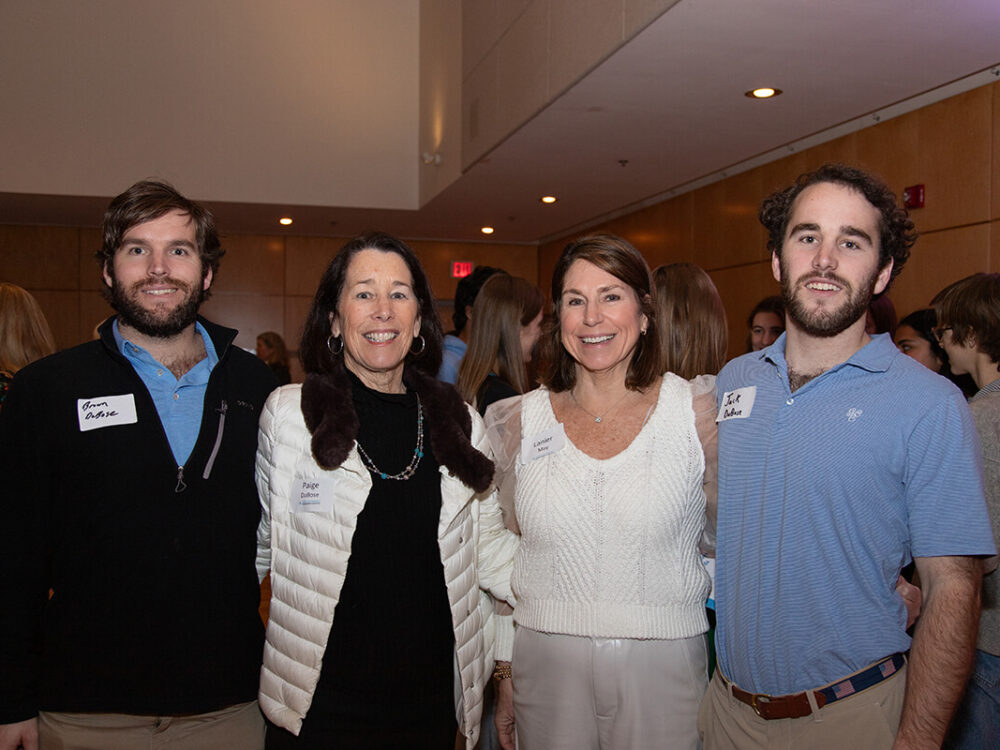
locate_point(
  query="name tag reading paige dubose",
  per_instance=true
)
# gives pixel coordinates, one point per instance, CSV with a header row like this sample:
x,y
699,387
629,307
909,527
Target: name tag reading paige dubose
x,y
737,404
545,443
105,411
312,495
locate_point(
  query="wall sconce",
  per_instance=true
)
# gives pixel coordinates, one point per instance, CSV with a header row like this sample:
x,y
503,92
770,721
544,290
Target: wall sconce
x,y
430,158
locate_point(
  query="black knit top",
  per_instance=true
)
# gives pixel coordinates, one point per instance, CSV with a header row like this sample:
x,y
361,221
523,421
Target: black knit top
x,y
391,647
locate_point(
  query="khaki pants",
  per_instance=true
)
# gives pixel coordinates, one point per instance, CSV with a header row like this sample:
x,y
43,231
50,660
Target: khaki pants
x,y
866,720
239,727
578,693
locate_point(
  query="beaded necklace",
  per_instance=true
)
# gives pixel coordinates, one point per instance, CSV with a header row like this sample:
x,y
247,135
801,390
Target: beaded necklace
x,y
418,452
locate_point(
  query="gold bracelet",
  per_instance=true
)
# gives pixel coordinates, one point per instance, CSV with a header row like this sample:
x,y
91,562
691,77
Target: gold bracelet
x,y
501,672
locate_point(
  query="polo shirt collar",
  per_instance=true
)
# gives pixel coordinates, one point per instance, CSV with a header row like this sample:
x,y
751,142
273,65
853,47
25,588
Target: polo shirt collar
x,y
875,356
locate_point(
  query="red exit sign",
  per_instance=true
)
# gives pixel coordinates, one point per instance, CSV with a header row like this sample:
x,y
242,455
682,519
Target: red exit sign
x,y
461,268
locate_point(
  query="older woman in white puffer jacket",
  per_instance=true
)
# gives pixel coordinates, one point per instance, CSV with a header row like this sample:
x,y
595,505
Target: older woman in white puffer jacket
x,y
379,634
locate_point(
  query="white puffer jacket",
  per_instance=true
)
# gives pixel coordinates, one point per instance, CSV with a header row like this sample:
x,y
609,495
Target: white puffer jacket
x,y
307,554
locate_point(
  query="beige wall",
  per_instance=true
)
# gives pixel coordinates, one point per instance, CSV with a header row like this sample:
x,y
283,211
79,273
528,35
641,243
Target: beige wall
x,y
952,147
265,282
519,55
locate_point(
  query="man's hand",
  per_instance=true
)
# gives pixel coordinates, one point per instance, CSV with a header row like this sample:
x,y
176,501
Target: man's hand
x,y
23,734
504,717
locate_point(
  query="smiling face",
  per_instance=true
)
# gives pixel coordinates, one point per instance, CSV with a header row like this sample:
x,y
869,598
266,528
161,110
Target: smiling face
x,y
156,277
912,344
600,319
378,316
828,265
765,329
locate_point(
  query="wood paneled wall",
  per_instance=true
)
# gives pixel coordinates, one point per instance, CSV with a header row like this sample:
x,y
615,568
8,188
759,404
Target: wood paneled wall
x,y
265,282
952,147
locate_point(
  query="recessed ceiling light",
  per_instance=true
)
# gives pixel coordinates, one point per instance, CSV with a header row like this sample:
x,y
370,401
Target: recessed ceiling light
x,y
487,230
548,199
285,221
764,92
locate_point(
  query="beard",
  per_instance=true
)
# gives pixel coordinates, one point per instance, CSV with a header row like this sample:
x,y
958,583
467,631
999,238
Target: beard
x,y
157,323
825,323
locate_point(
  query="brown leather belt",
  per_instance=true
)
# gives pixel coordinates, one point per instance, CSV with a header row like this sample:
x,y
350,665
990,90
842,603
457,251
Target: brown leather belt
x,y
771,707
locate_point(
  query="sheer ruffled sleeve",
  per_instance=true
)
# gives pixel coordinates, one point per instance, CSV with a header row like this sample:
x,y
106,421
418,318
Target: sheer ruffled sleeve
x,y
503,430
704,403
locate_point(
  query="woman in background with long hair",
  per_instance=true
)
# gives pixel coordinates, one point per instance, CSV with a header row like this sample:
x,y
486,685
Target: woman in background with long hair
x,y
24,333
692,321
506,323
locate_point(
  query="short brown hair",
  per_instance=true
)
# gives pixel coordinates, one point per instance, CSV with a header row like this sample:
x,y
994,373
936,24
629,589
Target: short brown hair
x,y
971,307
617,257
150,199
692,321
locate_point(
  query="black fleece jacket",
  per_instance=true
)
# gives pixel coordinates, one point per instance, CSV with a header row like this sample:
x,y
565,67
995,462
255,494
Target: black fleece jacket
x,y
151,565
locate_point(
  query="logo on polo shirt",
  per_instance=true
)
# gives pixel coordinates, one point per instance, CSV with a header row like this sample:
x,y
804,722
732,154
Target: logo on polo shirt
x,y
853,414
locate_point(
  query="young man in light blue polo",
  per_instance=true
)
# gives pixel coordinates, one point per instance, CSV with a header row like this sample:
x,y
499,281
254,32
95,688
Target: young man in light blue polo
x,y
840,461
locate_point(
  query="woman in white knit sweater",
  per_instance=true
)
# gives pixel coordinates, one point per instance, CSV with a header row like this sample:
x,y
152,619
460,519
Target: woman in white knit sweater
x,y
605,466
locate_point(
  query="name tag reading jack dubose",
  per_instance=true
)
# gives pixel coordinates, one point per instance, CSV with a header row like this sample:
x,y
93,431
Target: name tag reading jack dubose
x,y
105,411
737,404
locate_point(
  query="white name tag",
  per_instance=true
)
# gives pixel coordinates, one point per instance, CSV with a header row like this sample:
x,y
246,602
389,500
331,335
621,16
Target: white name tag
x,y
312,495
737,404
543,444
105,411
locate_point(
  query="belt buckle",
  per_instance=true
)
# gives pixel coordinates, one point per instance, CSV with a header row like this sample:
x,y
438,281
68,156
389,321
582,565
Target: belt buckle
x,y
757,700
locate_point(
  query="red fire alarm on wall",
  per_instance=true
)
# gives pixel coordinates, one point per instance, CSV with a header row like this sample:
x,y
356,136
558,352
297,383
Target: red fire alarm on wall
x,y
913,196
461,268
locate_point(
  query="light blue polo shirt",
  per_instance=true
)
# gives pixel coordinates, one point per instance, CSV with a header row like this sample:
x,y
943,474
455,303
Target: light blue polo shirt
x,y
824,495
179,402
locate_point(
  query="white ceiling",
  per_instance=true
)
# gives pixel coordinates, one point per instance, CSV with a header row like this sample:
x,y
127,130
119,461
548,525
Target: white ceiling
x,y
670,102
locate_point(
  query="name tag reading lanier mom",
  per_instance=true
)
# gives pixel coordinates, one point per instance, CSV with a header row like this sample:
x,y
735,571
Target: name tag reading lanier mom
x,y
105,411
311,495
543,444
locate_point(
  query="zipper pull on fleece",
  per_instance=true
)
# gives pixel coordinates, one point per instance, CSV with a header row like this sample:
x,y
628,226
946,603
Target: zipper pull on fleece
x,y
180,480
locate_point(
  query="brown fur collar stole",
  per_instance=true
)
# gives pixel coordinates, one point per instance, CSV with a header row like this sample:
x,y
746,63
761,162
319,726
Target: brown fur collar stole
x,y
329,414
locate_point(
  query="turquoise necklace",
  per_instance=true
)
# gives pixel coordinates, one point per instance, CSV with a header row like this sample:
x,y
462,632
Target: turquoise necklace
x,y
418,452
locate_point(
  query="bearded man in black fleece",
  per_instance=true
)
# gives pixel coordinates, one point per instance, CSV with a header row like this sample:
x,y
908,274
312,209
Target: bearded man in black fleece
x,y
129,494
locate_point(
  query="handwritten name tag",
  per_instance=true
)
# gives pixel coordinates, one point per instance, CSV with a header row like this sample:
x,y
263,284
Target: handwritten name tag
x,y
105,411
545,443
737,404
311,495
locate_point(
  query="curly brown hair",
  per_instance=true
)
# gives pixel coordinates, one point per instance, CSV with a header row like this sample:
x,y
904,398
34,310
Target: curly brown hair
x,y
896,230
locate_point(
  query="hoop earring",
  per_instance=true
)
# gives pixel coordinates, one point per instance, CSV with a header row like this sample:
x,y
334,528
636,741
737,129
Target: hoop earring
x,y
329,344
423,345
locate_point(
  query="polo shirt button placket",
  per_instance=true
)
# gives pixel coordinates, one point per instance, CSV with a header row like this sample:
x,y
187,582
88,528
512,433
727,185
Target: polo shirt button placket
x,y
790,401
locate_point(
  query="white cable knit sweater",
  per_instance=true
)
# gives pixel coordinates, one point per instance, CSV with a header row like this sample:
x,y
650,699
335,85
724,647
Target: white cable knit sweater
x,y
610,547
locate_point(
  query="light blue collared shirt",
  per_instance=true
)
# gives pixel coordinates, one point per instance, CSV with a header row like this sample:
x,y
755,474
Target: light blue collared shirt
x,y
179,402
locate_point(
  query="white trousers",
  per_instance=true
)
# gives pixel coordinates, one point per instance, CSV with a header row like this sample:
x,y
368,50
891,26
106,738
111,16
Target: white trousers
x,y
578,693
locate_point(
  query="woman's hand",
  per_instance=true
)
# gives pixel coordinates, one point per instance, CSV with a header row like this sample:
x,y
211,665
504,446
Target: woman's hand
x,y
913,598
504,717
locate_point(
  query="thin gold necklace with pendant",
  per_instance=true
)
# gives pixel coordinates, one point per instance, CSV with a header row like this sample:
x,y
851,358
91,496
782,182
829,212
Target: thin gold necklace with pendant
x,y
597,418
